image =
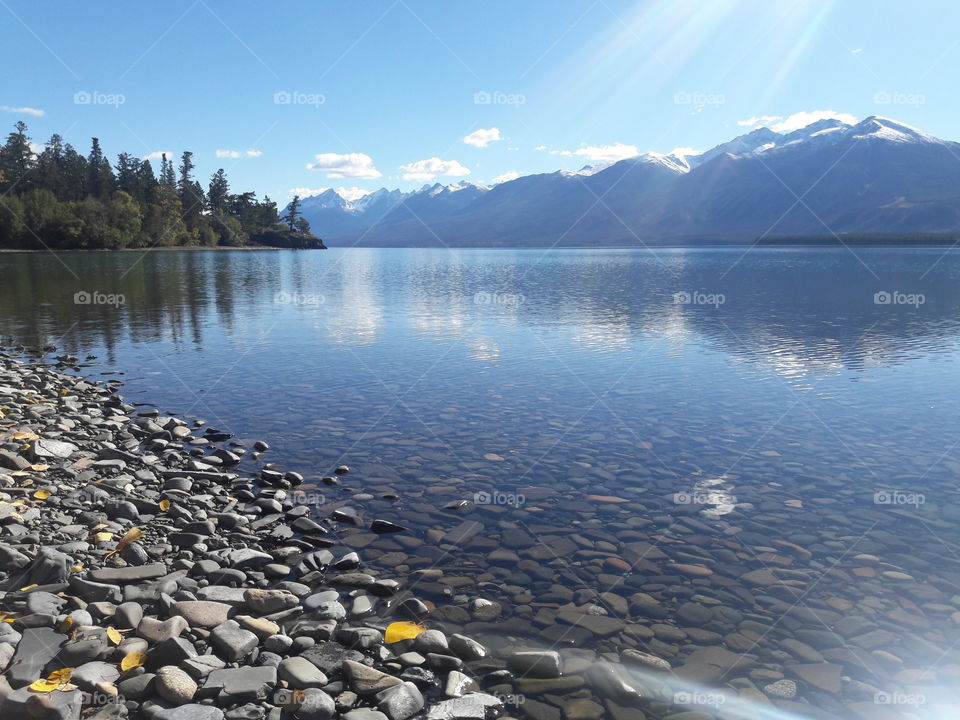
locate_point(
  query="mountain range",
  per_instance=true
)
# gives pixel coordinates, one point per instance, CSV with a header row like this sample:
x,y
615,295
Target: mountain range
x,y
830,177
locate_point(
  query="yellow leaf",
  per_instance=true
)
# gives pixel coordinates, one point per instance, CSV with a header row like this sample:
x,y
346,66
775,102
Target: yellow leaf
x,y
114,635
132,660
39,468
43,686
130,536
25,435
64,625
28,482
103,536
77,568
28,587
164,505
63,675
42,494
101,526
402,631
25,446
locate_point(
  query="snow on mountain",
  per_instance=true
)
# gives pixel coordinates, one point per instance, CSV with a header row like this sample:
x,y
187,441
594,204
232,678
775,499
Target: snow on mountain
x,y
883,175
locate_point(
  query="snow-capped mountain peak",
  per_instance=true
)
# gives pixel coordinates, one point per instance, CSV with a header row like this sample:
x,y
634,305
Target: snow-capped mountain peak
x,y
880,128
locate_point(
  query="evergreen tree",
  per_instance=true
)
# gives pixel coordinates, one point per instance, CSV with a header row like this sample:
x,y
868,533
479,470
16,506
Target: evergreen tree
x,y
167,178
218,192
293,216
16,159
191,194
100,179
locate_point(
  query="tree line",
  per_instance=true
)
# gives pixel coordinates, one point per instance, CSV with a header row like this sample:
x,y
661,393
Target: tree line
x,y
57,198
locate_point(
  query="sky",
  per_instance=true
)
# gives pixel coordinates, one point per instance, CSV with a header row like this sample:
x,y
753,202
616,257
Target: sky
x,y
302,96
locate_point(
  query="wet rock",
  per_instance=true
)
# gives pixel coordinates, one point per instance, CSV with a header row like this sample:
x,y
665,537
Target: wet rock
x,y
365,680
400,701
232,642
536,663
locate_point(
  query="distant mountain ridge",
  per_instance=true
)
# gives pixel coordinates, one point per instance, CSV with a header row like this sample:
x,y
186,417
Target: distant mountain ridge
x,y
875,176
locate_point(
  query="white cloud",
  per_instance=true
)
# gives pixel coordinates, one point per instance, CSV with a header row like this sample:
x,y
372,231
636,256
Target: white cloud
x,y
23,110
431,167
540,147
607,153
350,165
347,193
36,148
158,154
857,51
236,154
482,138
684,151
760,120
505,177
802,119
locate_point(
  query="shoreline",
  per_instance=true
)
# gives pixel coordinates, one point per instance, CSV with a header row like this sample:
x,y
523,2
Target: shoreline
x,y
145,568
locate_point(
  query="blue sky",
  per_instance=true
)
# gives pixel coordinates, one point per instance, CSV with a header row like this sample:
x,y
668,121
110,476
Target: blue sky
x,y
400,92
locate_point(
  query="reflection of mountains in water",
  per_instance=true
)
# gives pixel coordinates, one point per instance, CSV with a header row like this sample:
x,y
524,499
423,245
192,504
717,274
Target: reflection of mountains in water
x,y
800,310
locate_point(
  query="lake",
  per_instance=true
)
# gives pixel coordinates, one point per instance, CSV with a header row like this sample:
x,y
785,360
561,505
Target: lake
x,y
749,453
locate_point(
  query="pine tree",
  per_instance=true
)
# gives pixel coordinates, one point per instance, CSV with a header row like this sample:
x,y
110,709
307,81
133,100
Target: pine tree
x,y
167,178
219,191
99,173
16,159
293,215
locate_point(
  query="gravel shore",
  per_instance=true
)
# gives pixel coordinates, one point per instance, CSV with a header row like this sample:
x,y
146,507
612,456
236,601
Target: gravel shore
x,y
143,575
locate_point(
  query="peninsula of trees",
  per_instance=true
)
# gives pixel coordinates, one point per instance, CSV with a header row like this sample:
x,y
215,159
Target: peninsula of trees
x,y
54,198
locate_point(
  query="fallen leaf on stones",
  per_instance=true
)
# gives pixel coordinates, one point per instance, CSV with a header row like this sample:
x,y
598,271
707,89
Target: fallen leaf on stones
x,y
77,568
25,435
164,505
42,494
39,468
129,537
28,587
103,536
115,637
65,625
57,680
402,631
132,660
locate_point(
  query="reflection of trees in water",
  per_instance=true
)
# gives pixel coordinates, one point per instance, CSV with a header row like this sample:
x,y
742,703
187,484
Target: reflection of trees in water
x,y
799,312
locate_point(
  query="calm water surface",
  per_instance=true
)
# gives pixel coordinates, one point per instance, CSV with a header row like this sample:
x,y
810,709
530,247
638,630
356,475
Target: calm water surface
x,y
788,411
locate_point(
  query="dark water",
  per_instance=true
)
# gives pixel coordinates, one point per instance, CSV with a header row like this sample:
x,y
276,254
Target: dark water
x,y
740,411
